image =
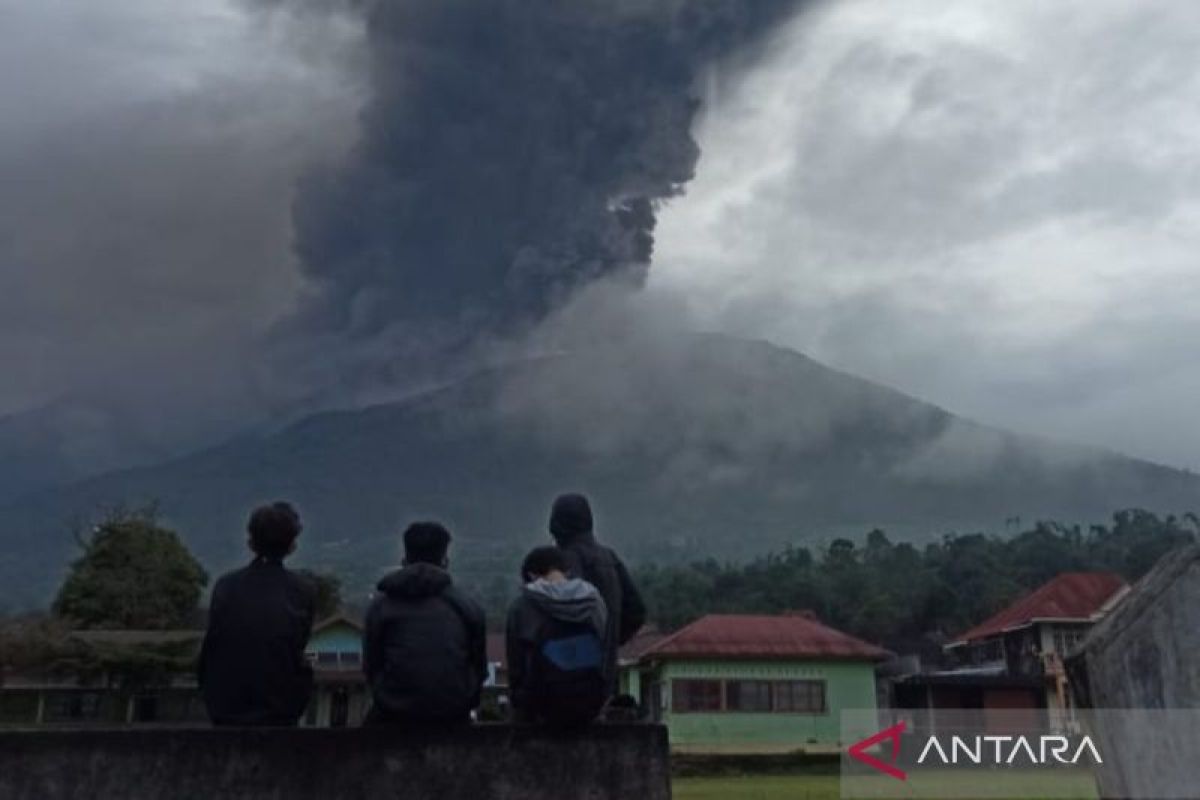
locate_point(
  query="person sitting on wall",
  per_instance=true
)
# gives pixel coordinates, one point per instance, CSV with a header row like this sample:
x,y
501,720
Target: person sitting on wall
x,y
571,526
252,669
425,642
557,644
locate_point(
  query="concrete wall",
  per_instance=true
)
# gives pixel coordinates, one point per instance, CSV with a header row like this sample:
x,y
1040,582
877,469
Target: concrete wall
x,y
1146,655
848,685
484,762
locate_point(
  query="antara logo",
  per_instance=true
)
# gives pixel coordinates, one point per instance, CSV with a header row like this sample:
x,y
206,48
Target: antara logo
x,y
984,749
892,734
1007,749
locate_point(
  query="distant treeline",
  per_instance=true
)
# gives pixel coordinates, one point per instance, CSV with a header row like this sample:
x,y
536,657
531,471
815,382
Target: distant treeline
x,y
906,597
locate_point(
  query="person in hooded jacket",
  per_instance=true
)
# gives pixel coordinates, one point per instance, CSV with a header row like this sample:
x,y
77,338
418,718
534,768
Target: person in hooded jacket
x,y
566,618
425,642
252,670
571,526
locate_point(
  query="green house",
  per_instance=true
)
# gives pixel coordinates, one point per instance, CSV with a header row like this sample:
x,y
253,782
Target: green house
x,y
340,698
739,684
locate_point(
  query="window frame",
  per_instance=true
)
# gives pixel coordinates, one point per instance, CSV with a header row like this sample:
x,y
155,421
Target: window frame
x,y
734,688
685,689
812,688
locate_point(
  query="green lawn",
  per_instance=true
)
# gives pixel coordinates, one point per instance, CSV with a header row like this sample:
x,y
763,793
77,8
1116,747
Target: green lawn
x,y
826,787
758,787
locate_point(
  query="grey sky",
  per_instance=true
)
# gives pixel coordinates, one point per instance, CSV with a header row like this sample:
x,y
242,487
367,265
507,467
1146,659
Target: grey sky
x,y
991,205
148,153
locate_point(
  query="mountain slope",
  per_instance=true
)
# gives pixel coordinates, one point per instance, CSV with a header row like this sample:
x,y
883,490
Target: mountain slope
x,y
691,447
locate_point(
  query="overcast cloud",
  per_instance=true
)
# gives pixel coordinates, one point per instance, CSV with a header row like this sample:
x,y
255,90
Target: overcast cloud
x,y
993,206
148,154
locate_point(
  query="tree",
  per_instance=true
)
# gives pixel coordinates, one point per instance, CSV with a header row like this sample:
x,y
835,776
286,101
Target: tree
x,y
33,643
133,574
329,592
908,598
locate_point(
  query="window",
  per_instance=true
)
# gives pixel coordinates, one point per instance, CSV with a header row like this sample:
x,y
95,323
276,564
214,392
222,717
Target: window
x,y
327,659
691,696
754,696
800,697
351,660
72,706
749,697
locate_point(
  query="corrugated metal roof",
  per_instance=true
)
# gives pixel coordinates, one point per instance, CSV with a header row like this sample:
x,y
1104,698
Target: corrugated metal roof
x,y
134,637
790,636
1071,596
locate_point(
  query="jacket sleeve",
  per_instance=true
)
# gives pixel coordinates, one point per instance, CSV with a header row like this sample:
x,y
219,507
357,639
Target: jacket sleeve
x,y
479,657
633,609
515,654
212,631
372,644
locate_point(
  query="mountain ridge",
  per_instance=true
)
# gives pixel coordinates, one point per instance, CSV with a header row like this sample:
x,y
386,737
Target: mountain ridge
x,y
699,445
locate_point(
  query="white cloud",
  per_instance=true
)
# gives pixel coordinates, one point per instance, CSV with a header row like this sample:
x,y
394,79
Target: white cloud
x,y
990,205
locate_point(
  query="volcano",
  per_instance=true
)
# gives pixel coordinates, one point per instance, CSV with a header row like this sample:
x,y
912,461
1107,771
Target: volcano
x,y
690,447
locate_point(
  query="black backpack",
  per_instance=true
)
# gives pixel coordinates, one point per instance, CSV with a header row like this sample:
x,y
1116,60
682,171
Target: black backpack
x,y
566,677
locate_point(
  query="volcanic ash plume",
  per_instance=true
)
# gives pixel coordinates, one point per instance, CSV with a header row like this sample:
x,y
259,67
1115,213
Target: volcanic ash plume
x,y
511,152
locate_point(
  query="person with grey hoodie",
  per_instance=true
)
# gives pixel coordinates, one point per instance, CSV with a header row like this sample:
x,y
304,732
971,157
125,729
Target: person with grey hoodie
x,y
425,642
557,641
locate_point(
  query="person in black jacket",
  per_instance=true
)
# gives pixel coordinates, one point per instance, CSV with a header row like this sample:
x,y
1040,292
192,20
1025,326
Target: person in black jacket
x,y
425,643
252,669
554,613
571,526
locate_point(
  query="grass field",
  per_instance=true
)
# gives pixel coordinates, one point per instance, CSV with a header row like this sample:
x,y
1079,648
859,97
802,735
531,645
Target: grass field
x,y
758,787
826,787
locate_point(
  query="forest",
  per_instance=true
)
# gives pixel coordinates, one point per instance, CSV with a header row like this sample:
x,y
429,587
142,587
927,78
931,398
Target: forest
x,y
135,574
908,598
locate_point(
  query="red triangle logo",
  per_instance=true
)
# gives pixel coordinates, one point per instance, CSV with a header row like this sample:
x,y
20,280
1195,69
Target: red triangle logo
x,y
892,734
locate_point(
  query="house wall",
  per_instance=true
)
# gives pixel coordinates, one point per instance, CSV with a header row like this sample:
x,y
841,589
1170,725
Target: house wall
x,y
630,682
848,685
336,639
354,697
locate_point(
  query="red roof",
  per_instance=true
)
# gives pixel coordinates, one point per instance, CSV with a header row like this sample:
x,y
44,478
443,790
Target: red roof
x,y
1071,596
791,636
642,641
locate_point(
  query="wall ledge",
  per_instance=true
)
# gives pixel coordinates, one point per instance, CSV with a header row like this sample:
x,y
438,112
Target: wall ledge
x,y
480,762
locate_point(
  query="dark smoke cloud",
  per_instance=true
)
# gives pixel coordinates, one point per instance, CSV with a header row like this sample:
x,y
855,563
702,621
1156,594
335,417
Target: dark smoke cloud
x,y
512,152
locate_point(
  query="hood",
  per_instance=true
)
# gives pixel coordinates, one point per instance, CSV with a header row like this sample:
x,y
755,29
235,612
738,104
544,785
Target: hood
x,y
572,600
415,580
570,517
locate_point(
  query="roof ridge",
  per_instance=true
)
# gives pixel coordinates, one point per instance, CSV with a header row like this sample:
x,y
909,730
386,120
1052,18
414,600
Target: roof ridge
x,y
1016,615
806,637
670,637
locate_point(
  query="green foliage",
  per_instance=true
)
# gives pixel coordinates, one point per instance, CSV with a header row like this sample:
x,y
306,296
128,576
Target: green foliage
x,y
34,643
40,644
133,574
906,598
329,592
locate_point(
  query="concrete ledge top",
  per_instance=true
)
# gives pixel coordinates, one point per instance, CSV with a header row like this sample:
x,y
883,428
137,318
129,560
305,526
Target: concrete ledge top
x,y
472,763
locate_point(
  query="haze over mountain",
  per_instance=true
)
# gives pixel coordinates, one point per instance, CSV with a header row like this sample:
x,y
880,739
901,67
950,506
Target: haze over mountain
x,y
691,446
